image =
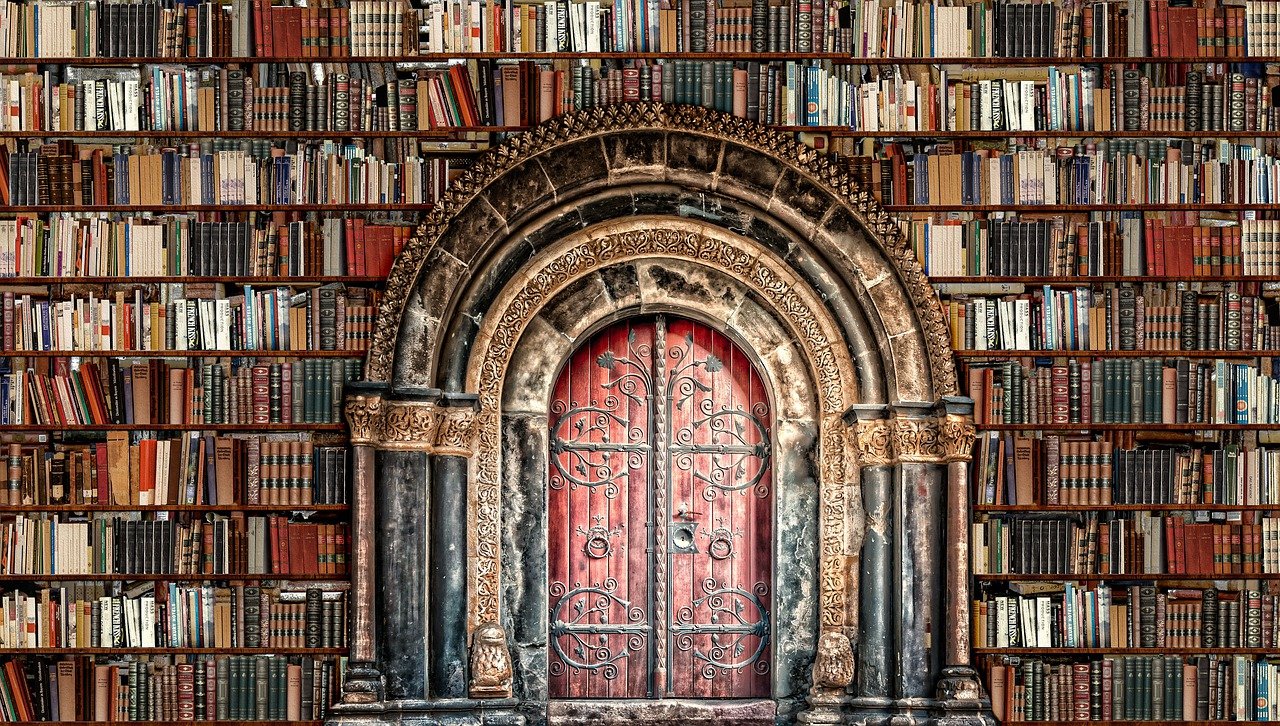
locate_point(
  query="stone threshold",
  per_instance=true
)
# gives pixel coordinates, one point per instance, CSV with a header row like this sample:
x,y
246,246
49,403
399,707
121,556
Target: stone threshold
x,y
697,712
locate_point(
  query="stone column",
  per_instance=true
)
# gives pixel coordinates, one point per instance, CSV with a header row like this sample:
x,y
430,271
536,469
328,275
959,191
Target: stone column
x,y
408,431
960,697
918,564
447,620
877,594
363,685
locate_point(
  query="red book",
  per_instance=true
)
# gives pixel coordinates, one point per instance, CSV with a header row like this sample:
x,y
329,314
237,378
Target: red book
x,y
277,555
1161,267
1149,244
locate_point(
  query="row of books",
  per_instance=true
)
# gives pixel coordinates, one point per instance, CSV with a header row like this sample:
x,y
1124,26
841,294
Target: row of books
x,y
1120,543
1125,391
1012,469
1154,318
325,318
170,688
1135,244
114,543
1135,688
158,392
173,616
1111,171
63,244
189,469
1065,615
307,173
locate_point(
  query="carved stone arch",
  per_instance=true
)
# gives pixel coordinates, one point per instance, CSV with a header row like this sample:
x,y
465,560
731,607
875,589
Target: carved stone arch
x,y
666,195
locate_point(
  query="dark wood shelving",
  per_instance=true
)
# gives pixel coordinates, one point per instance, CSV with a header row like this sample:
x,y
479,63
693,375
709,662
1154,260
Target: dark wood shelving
x,y
204,723
183,353
1084,427
1122,578
1206,354
178,427
119,577
1123,507
845,131
198,508
72,650
1085,280
843,58
435,134
337,207
1049,208
233,279
1067,652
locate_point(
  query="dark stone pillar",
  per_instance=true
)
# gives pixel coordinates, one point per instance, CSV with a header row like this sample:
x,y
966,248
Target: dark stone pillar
x,y
404,469
918,562
877,603
447,619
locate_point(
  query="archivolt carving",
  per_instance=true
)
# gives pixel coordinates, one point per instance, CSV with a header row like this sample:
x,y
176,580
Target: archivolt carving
x,y
636,238
690,119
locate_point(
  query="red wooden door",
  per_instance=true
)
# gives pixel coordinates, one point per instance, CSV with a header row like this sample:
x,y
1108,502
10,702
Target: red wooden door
x,y
660,517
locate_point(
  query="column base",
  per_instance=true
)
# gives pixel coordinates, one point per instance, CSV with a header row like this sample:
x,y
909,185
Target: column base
x,y
825,706
961,701
362,686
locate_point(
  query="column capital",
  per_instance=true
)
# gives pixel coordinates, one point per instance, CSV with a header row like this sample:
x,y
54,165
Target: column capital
x,y
872,434
363,410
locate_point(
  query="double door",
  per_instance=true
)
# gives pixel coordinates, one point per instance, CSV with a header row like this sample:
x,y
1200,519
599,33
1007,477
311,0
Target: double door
x,y
660,517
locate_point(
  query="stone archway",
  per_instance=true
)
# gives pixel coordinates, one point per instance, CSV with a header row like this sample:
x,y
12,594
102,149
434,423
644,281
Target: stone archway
x,y
645,208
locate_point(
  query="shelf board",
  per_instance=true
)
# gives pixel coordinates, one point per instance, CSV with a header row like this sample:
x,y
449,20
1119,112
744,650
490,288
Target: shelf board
x,y
1084,280
843,58
1123,507
1085,427
209,723
1198,354
178,427
233,279
223,208
1122,578
436,134
199,508
183,353
1049,208
71,650
845,131
119,577
1065,652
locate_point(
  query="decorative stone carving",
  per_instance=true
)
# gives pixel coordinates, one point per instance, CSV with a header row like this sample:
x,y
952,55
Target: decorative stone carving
x,y
833,667
874,442
956,435
916,440
490,662
458,431
363,413
408,425
613,118
637,238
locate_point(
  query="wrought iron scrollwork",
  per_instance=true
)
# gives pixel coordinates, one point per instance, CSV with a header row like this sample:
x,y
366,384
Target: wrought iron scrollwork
x,y
582,621
736,623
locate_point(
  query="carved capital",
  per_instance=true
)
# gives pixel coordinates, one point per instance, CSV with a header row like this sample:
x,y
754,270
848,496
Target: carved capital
x,y
408,425
458,433
874,442
956,435
363,413
917,440
490,662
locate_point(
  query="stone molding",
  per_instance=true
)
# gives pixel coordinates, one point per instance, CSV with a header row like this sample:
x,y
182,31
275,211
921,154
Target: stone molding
x,y
930,440
425,426
613,118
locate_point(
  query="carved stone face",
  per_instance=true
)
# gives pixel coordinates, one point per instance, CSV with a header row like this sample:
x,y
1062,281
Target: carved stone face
x,y
490,635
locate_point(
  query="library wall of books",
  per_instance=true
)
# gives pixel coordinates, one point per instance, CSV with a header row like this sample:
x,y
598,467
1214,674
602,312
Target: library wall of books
x,y
640,361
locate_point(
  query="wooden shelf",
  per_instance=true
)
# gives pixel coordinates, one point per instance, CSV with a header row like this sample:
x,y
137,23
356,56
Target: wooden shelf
x,y
1085,427
1049,208
1121,578
179,427
222,208
1198,354
844,131
843,58
1069,652
126,577
1085,280
1124,507
436,134
233,279
197,508
71,650
226,723
183,353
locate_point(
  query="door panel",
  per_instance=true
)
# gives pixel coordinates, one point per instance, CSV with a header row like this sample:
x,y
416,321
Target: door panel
x,y
660,511
598,506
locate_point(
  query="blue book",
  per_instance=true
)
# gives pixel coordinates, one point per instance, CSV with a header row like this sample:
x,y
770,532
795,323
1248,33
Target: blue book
x,y
813,93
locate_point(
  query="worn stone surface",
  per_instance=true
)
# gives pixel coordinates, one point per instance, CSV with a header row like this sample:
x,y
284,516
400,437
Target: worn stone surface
x,y
401,556
673,711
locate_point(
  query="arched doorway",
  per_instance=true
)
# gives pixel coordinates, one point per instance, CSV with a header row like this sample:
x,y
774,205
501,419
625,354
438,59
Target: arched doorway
x,y
660,517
